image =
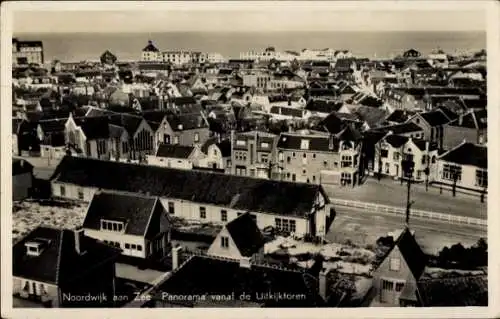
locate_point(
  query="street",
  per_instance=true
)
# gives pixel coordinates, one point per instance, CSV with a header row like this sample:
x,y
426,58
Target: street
x,y
364,228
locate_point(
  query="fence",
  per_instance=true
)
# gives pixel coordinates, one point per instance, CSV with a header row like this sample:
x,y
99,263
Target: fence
x,y
414,212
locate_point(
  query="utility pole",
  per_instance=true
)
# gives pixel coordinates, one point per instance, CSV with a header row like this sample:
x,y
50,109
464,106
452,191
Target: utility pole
x,y
408,167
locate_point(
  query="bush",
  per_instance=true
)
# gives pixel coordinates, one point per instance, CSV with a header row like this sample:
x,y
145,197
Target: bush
x,y
459,257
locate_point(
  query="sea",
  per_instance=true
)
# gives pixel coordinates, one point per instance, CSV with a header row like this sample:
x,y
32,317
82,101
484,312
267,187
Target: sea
x,y
74,47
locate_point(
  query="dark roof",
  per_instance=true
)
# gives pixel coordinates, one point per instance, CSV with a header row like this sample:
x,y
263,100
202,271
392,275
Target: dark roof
x,y
59,262
128,121
94,127
468,154
435,118
225,147
460,291
396,140
237,192
150,47
473,120
316,142
20,166
16,125
332,123
287,111
321,92
245,234
134,210
343,65
323,106
373,116
174,151
411,252
205,275
398,116
475,103
408,127
184,122
51,126
184,100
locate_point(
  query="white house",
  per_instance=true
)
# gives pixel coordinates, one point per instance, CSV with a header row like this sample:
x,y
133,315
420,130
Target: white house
x,y
175,156
395,148
135,223
218,154
468,163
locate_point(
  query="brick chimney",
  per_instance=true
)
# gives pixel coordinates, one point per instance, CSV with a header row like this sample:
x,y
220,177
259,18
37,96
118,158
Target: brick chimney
x,y
78,233
175,257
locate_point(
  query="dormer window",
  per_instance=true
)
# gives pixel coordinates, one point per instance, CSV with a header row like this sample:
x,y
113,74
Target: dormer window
x,y
240,143
304,144
109,225
35,247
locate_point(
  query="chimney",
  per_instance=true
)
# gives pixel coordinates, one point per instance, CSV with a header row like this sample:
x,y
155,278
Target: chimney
x,y
175,257
323,283
78,233
245,262
330,142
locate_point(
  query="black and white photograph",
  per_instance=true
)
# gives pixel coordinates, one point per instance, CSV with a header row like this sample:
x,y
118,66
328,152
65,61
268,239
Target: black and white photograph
x,y
265,155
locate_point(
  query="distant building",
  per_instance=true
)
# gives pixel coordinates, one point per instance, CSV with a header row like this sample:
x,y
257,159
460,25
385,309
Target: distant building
x,y
175,156
108,58
472,126
27,52
412,53
151,53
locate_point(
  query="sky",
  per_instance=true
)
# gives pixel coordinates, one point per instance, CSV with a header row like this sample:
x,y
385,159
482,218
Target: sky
x,y
248,19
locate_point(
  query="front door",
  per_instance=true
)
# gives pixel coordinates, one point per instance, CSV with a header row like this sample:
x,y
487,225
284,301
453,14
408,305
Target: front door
x,y
396,167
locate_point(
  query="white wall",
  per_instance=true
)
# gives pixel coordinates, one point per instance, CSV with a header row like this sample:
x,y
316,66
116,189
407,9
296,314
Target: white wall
x,y
178,163
122,239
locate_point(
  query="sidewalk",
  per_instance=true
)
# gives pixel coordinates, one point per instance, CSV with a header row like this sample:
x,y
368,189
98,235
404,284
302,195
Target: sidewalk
x,y
392,193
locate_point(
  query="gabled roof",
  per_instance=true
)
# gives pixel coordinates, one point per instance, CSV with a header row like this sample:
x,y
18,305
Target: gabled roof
x,y
399,116
184,122
396,140
237,192
411,252
245,234
467,154
51,126
435,118
213,276
134,210
59,262
323,106
150,47
460,291
94,127
174,151
128,121
21,166
343,65
332,123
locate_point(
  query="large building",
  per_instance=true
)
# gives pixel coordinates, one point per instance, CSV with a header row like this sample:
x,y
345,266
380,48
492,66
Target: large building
x,y
27,52
201,196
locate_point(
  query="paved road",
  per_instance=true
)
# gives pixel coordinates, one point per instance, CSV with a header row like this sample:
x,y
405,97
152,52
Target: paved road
x,y
389,192
364,228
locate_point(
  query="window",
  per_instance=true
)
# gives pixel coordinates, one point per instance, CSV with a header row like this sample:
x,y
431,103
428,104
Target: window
x,y
346,161
450,170
62,189
433,159
264,145
277,222
384,153
88,149
223,215
325,163
125,147
419,174
264,158
280,156
387,168
395,264
399,286
481,178
224,242
133,246
196,137
314,179
424,157
127,246
304,172
176,139
240,143
304,159
171,208
288,159
80,194
387,285
396,156
293,154
203,212
139,247
314,155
